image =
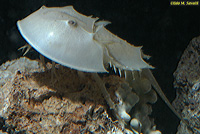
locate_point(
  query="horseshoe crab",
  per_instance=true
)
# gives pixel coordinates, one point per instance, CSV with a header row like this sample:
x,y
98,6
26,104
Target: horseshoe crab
x,y
83,43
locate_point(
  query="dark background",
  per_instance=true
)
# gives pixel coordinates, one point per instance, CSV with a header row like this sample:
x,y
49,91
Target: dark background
x,y
164,31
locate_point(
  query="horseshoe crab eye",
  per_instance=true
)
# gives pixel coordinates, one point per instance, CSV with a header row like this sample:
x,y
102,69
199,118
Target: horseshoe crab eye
x,y
72,22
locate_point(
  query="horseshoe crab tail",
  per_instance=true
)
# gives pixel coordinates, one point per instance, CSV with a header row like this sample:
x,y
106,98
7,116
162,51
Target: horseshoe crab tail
x,y
158,89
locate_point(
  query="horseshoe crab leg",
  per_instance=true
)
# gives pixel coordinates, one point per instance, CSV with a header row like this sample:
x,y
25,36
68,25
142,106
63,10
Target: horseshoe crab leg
x,y
106,96
27,47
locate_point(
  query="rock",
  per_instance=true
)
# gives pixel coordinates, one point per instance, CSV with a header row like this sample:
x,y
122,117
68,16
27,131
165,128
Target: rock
x,y
30,102
35,100
187,84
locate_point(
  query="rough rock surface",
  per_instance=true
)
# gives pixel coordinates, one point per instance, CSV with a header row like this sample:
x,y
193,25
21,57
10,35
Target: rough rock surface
x,y
187,84
33,100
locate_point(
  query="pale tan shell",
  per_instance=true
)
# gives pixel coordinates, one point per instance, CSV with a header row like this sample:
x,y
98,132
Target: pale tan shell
x,y
78,41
